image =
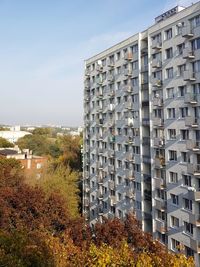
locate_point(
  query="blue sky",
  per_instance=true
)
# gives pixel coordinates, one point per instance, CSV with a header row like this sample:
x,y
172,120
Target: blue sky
x,y
43,45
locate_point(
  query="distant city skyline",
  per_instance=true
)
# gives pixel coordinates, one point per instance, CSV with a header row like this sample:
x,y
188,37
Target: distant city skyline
x,y
43,47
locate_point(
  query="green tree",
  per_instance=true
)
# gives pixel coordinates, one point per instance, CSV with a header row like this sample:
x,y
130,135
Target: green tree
x,y
4,143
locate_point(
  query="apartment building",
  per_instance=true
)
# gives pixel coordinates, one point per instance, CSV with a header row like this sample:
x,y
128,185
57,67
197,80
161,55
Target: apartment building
x,y
142,131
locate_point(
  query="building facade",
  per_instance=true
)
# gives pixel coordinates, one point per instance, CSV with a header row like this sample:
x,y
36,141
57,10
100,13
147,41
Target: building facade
x,y
141,149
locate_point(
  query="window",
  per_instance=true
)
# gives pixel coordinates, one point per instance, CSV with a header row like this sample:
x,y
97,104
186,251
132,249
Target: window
x,y
169,53
171,113
173,177
180,48
181,91
184,134
196,88
175,245
118,70
169,73
179,28
196,66
135,65
188,228
138,205
187,204
181,69
187,180
195,22
118,56
189,252
161,215
160,193
183,112
174,222
170,92
172,134
134,81
195,44
185,157
174,199
172,155
134,48
168,34
119,163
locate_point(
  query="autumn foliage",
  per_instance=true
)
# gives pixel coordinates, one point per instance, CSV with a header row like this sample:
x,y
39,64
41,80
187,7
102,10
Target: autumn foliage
x,y
36,229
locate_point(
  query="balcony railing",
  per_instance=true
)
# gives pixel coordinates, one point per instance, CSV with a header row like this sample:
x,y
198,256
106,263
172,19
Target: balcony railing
x,y
193,145
160,183
193,169
128,88
156,44
111,78
128,72
157,82
192,122
113,200
188,53
160,204
159,162
111,185
130,193
161,226
192,98
158,122
128,56
159,141
189,75
156,63
187,32
157,101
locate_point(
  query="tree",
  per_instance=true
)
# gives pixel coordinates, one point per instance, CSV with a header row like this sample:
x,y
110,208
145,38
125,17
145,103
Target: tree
x,y
11,173
4,143
62,181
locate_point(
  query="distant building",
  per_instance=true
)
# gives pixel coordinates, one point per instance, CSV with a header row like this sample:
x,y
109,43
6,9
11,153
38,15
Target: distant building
x,y
31,163
14,134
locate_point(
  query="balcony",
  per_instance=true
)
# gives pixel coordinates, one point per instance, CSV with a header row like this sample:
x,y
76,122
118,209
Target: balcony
x,y
99,81
160,204
159,183
194,244
99,165
156,63
158,122
193,145
128,56
192,122
111,185
189,75
87,73
187,32
113,200
100,195
86,202
100,211
156,44
130,175
99,68
157,101
99,179
111,78
157,82
99,121
128,88
130,194
130,158
159,162
194,195
111,168
111,154
111,63
188,53
158,142
192,99
111,93
161,226
111,107
129,105
111,139
128,72
144,68
193,169
99,151
130,140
